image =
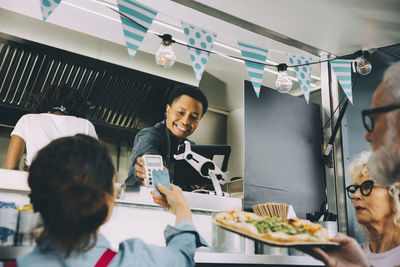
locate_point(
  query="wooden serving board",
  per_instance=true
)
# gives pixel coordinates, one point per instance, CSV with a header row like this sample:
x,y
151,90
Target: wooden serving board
x,y
274,242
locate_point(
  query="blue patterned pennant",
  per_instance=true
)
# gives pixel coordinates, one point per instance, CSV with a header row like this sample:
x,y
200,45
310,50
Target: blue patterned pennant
x,y
202,39
342,69
253,54
303,73
135,32
47,7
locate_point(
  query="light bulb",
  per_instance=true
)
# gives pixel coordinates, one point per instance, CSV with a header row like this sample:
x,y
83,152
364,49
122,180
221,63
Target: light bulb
x,y
364,67
283,84
165,56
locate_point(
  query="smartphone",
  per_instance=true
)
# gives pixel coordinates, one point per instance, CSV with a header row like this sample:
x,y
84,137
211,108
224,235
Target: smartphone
x,y
160,176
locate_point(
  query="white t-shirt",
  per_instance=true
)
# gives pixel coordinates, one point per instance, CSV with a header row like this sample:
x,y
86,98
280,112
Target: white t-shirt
x,y
38,130
386,259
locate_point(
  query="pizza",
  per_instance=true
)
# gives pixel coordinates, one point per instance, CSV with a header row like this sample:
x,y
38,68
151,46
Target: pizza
x,y
272,228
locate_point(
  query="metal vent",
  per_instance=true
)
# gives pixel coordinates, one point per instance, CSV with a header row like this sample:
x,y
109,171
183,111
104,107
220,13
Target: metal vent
x,y
119,97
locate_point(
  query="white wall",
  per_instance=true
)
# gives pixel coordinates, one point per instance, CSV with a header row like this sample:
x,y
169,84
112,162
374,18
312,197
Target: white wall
x,y
235,139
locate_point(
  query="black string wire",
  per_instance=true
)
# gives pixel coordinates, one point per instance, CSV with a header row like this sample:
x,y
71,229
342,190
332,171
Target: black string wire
x,y
229,56
130,19
340,102
388,53
265,64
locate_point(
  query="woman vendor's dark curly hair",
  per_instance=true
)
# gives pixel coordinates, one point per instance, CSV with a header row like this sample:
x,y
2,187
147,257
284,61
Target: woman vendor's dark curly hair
x,y
56,96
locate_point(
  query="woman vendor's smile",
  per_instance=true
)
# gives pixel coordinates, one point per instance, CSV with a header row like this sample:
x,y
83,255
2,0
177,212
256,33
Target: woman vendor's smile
x,y
183,116
181,128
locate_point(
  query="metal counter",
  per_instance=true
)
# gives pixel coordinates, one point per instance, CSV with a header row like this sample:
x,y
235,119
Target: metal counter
x,y
197,202
230,258
136,216
7,253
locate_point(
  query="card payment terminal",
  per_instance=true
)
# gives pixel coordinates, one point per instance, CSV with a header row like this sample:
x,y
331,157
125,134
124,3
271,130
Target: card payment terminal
x,y
151,162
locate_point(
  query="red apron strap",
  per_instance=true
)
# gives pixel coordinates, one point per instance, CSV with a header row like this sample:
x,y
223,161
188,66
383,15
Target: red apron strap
x,y
10,263
106,258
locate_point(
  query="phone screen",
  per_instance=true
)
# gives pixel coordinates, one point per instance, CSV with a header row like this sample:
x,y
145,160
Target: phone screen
x,y
161,176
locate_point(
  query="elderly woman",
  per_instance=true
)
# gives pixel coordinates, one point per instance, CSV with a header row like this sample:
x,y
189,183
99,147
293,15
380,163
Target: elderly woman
x,y
376,209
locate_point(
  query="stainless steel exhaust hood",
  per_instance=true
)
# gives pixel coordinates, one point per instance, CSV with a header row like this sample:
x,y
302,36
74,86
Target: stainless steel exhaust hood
x,y
122,100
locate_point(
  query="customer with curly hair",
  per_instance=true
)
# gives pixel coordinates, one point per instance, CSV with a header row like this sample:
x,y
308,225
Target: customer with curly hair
x,y
376,209
58,111
71,182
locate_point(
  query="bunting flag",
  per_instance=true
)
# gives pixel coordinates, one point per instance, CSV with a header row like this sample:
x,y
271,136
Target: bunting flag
x,y
342,69
303,73
137,19
200,39
135,32
47,7
252,53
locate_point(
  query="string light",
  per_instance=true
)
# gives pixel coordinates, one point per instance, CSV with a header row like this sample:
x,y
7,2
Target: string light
x,y
165,56
363,66
283,84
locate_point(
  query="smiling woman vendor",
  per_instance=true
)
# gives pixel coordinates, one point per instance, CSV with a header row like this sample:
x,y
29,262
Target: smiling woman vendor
x,y
184,110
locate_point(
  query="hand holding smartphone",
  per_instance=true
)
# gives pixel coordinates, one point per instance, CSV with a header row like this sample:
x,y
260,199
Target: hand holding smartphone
x,y
160,176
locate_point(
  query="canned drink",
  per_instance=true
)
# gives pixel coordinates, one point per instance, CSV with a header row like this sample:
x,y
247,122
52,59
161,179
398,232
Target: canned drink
x,y
29,226
8,223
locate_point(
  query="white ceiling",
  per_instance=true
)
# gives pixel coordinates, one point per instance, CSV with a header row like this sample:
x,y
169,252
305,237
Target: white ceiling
x,y
337,27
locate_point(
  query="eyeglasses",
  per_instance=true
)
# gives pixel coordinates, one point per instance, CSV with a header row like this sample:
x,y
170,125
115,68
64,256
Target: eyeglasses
x,y
365,188
368,119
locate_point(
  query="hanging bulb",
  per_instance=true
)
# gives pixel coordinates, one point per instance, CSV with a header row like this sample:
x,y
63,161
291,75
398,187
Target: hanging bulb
x,y
363,67
283,84
165,56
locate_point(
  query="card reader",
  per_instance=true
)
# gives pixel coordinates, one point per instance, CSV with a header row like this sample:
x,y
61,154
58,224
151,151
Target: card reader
x,y
151,162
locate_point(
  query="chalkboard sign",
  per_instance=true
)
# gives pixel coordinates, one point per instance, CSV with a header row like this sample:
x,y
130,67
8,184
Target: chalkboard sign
x,y
282,151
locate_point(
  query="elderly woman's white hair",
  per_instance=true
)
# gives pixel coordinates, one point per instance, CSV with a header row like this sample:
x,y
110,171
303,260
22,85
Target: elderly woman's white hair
x,y
394,191
358,167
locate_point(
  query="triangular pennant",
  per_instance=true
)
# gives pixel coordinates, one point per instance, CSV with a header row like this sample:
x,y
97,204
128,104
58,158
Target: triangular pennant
x,y
135,28
202,40
251,55
303,73
47,7
342,69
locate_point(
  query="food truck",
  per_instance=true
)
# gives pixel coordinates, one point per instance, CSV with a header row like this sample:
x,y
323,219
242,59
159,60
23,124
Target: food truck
x,y
282,124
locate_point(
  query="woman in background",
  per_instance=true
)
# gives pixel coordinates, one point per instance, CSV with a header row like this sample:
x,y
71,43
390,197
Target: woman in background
x,y
376,210
59,111
71,183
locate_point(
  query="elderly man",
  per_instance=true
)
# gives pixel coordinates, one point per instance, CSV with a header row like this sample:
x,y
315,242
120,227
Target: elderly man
x,y
382,123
